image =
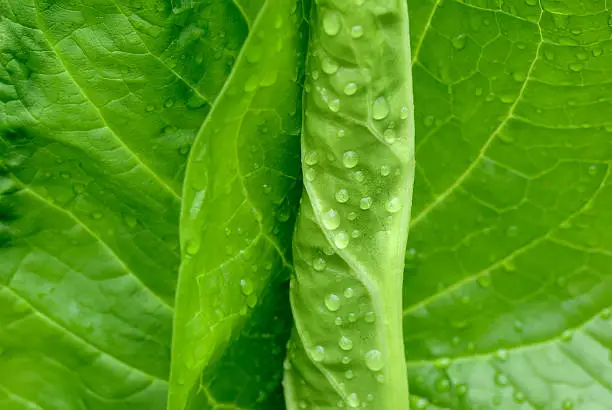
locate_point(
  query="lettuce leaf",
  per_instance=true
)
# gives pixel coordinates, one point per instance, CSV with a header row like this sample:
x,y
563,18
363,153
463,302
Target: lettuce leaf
x,y
508,276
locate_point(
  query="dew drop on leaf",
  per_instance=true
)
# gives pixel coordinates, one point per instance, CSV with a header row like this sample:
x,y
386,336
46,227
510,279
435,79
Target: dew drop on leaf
x,y
342,196
318,353
331,23
442,385
442,363
357,31
331,219
380,110
459,42
319,264
370,317
246,287
501,355
352,317
374,360
329,66
350,159
349,374
349,293
393,205
352,400
341,240
345,343
350,88
332,302
365,203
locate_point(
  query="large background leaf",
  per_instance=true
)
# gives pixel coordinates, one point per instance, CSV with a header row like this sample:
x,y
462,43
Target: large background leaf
x,y
99,103
508,277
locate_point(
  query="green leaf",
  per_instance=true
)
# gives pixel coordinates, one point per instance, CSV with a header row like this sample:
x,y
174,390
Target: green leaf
x,y
99,103
507,288
357,147
240,194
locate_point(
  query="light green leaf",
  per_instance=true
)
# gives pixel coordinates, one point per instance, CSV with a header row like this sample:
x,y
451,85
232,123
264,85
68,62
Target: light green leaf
x,y
357,147
241,189
99,103
507,289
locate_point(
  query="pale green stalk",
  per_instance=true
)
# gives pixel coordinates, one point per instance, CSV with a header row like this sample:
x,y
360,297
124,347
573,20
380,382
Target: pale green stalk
x,y
358,162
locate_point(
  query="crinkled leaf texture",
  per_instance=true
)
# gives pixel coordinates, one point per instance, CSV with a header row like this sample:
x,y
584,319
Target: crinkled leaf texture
x,y
508,276
100,101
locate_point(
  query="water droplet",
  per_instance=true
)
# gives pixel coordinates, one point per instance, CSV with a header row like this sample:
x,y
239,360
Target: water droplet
x,y
78,188
501,355
509,266
356,31
246,286
365,203
567,404
459,42
393,205
338,321
592,170
380,378
421,403
349,375
341,239
345,343
350,159
352,317
567,335
334,105
485,280
356,233
346,360
442,363
350,88
370,317
389,136
605,314
519,397
404,112
597,52
385,170
318,353
150,108
501,379
311,158
380,110
329,66
349,293
442,385
331,220
374,360
359,176
351,216
192,247
342,196
340,133
352,400
310,174
319,264
332,302
576,67
461,390
96,215
331,23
